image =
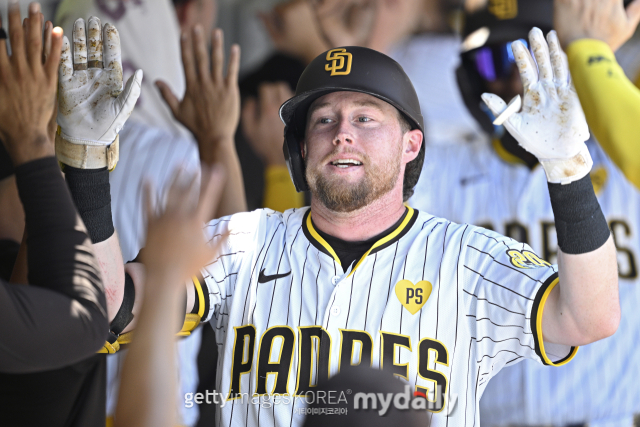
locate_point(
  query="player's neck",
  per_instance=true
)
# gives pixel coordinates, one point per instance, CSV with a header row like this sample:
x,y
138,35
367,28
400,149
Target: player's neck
x,y
361,224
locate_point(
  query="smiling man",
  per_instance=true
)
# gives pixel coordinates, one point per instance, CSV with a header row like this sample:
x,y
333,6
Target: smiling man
x,y
362,279
359,278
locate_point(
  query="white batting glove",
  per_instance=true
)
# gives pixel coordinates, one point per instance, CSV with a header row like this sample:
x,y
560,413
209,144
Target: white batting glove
x,y
551,125
93,107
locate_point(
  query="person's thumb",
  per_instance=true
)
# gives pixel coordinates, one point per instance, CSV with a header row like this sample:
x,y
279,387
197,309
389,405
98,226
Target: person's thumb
x,y
495,103
129,96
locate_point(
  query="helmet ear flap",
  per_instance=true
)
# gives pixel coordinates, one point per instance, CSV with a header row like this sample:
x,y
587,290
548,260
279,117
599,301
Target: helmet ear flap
x,y
295,162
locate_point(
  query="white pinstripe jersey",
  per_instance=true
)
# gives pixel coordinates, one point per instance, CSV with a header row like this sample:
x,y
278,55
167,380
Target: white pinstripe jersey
x,y
434,302
470,182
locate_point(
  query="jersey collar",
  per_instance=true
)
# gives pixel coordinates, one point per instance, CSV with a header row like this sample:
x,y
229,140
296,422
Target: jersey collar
x,y
321,244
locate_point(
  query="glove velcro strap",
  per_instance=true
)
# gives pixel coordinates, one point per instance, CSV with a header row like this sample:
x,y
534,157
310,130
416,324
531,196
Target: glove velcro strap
x,y
125,338
87,156
566,171
111,345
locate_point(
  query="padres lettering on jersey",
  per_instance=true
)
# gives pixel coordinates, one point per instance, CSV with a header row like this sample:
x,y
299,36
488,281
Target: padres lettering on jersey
x,y
436,303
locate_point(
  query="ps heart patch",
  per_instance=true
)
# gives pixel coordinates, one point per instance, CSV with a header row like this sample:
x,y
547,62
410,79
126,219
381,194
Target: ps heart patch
x,y
413,297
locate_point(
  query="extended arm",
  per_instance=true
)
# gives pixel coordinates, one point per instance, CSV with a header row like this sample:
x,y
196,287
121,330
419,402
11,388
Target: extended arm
x,y
584,307
590,31
61,317
93,107
210,109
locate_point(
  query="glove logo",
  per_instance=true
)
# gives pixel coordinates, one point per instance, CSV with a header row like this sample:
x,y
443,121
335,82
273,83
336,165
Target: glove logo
x,y
411,296
504,9
526,259
339,62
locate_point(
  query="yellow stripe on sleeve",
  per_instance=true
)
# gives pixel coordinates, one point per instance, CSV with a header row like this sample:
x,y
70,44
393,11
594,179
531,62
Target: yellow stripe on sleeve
x,y
539,338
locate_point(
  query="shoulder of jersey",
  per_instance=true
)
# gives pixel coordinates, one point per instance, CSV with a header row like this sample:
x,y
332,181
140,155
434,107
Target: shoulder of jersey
x,y
246,228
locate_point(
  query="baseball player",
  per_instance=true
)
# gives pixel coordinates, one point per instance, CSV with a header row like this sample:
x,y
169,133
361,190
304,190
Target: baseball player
x,y
359,278
482,183
362,279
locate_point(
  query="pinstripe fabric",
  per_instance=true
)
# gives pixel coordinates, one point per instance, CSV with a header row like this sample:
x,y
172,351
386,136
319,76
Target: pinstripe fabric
x,y
475,320
600,386
146,154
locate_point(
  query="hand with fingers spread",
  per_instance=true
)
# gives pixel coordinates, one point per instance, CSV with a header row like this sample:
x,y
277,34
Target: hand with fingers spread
x,y
28,85
261,122
605,20
93,107
210,108
551,125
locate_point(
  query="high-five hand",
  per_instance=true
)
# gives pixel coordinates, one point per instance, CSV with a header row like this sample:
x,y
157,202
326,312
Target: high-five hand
x,y
210,108
27,85
551,125
93,106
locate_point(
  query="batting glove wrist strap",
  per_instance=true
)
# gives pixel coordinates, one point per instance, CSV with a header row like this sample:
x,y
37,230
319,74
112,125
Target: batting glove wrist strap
x,y
580,224
565,171
78,155
91,193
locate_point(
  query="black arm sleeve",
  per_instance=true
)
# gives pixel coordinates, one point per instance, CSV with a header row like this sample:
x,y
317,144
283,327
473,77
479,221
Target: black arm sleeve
x,y
62,317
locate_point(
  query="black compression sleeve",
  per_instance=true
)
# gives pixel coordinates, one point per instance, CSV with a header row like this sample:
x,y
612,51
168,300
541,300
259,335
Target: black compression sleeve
x,y
580,224
91,193
67,321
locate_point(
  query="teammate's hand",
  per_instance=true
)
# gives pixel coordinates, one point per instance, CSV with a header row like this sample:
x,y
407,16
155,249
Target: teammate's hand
x,y
211,105
551,125
346,23
605,20
176,248
93,107
261,122
28,85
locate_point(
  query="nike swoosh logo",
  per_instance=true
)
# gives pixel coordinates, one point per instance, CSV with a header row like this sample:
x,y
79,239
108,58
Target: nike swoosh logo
x,y
263,278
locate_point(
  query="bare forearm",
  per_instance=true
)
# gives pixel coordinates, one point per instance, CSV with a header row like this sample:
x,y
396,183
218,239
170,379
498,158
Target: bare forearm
x,y
233,197
111,265
148,362
585,306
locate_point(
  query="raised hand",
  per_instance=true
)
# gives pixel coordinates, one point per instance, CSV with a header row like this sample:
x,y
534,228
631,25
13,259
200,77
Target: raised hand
x,y
210,108
28,85
551,125
605,20
93,106
261,122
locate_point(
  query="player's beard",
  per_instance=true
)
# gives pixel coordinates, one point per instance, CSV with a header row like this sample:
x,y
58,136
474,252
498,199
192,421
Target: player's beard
x,y
340,195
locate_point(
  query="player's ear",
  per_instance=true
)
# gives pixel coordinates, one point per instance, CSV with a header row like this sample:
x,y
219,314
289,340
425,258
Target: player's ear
x,y
412,141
